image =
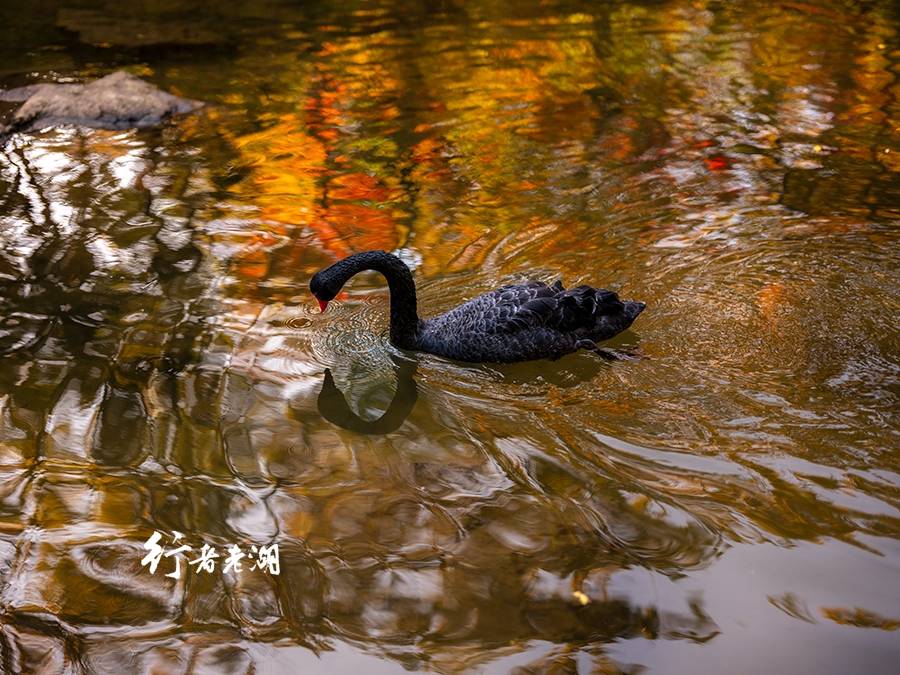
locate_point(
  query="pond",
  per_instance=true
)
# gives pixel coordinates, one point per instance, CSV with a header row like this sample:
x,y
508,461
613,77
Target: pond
x,y
727,499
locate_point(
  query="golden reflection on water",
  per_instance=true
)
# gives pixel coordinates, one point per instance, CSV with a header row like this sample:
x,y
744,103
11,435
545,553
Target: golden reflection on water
x,y
728,501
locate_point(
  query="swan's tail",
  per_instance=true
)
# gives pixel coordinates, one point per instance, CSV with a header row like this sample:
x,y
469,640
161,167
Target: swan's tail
x,y
595,313
633,308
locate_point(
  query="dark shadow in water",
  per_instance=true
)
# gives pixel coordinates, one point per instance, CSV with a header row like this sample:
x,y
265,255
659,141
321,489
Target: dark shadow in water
x,y
570,370
334,408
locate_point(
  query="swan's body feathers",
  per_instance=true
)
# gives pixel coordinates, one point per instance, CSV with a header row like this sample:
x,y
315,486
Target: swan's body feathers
x,y
526,321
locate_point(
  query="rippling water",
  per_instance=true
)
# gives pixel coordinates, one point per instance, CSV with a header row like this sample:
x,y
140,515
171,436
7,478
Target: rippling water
x,y
729,501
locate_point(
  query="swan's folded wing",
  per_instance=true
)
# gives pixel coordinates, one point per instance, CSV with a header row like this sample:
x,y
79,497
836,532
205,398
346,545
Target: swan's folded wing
x,y
522,307
528,307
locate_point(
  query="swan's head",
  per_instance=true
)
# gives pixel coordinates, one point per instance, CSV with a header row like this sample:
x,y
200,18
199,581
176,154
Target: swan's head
x,y
322,289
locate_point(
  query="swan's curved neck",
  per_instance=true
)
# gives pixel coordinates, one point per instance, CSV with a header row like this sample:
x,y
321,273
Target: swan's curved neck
x,y
404,318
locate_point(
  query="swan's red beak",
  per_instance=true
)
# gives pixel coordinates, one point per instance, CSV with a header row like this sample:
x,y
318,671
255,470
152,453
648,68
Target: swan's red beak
x,y
323,304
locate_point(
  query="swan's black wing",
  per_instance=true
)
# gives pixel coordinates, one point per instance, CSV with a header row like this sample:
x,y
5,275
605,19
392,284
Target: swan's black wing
x,y
518,307
536,305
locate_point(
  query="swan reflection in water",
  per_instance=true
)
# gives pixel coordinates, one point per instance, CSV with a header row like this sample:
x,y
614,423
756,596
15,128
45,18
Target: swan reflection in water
x,y
334,407
568,372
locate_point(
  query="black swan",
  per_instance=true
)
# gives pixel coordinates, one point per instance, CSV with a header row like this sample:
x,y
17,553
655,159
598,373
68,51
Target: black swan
x,y
519,322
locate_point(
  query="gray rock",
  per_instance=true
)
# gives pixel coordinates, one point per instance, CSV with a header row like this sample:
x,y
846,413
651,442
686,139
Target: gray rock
x,y
117,101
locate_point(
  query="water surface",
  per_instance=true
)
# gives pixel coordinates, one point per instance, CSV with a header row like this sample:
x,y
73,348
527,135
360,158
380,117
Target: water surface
x,y
727,502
